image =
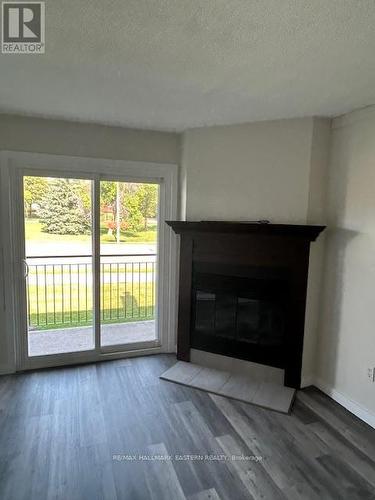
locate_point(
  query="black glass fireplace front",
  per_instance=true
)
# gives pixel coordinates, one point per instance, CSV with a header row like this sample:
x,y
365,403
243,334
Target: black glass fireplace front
x,y
234,314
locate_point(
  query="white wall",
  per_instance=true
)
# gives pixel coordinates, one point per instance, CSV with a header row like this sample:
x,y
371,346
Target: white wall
x,y
268,170
346,344
316,214
38,135
252,171
78,139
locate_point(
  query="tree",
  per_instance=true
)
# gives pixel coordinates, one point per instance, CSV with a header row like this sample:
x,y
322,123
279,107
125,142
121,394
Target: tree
x,y
83,191
130,215
131,209
65,207
147,195
108,193
34,189
137,203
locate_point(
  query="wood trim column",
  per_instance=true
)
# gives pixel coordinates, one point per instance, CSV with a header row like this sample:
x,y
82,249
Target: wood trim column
x,y
184,298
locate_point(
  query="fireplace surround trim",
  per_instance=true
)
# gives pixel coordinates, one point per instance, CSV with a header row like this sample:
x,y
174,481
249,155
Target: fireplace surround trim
x,y
247,244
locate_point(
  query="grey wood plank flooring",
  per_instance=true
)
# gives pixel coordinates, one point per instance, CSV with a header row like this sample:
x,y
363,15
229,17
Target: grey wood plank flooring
x,y
210,494
113,430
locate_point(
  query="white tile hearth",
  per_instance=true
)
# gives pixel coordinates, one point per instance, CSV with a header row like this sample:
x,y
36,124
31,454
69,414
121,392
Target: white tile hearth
x,y
209,379
274,397
269,395
240,387
183,373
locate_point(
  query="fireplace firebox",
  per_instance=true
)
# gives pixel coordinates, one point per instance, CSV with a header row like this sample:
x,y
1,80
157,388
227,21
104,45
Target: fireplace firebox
x,y
239,311
242,291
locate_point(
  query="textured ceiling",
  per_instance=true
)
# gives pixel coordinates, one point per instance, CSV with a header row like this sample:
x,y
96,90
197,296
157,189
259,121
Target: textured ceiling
x,y
175,64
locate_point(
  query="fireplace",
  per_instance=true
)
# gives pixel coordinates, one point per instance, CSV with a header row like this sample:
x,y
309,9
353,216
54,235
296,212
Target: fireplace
x,y
242,291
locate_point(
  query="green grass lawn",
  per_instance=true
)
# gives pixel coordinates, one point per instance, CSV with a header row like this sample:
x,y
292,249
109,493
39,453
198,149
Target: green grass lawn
x,y
33,232
55,307
148,236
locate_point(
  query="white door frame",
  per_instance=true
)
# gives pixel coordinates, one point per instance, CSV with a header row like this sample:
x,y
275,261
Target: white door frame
x,y
16,164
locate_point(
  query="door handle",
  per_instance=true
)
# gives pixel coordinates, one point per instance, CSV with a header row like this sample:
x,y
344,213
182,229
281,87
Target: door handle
x,y
26,267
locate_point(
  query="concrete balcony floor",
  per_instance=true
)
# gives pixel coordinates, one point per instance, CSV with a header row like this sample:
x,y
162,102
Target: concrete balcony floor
x,y
44,342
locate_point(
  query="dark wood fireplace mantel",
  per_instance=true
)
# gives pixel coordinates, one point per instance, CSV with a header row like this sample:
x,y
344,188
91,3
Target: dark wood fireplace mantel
x,y
246,250
307,232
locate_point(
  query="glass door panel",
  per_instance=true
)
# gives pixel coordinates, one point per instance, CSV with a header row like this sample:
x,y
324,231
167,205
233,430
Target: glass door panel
x,y
58,265
128,255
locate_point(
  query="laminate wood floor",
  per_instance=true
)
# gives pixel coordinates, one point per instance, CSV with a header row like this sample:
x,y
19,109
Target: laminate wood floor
x,y
113,430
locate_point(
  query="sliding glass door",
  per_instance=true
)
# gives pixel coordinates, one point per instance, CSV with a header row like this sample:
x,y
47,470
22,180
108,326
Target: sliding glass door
x,y
128,257
90,266
58,266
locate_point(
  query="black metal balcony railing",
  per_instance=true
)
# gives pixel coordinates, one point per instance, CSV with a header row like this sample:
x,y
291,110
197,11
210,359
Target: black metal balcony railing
x,y
60,290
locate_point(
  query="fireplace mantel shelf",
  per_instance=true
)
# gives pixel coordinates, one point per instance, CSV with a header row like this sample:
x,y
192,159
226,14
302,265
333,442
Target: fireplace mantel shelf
x,y
309,232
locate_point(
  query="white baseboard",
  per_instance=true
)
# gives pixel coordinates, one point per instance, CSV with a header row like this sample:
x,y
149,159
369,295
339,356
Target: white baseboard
x,y
352,406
